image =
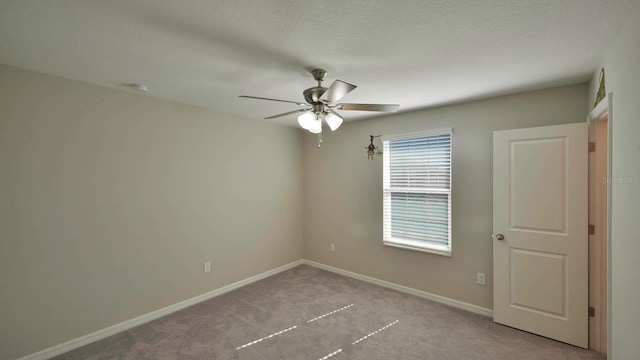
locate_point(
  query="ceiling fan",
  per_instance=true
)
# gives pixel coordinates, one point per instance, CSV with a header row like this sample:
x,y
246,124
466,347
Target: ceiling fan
x,y
320,104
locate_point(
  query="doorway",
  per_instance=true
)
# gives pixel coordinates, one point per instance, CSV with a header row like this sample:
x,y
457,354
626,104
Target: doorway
x,y
599,245
540,221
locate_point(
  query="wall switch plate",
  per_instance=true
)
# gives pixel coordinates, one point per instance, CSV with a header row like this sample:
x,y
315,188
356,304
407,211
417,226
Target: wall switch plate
x,y
332,248
481,279
207,266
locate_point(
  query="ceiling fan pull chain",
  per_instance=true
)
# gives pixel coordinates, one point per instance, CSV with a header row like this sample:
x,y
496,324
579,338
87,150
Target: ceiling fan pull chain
x,y
319,139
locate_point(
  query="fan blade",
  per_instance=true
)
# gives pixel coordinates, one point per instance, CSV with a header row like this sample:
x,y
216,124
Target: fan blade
x,y
368,107
336,91
287,113
261,98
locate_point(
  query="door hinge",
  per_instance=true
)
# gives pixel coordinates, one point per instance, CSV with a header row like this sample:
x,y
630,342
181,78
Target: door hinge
x,y
592,311
592,229
592,147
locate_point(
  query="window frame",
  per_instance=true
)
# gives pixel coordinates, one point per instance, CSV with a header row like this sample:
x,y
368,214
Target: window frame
x,y
408,244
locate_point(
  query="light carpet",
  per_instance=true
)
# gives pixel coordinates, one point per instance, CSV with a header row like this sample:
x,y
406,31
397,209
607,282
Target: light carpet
x,y
308,313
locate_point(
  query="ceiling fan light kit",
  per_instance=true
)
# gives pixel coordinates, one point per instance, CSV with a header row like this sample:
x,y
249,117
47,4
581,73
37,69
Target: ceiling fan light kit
x,y
313,121
320,106
310,121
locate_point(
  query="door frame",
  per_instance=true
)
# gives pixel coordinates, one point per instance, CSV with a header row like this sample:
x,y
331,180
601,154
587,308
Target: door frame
x,y
604,111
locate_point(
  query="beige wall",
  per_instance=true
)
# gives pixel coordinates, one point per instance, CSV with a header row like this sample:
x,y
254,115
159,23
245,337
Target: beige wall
x,y
343,191
622,66
111,201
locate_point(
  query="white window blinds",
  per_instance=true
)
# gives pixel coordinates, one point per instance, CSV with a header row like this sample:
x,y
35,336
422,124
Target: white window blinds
x,y
417,191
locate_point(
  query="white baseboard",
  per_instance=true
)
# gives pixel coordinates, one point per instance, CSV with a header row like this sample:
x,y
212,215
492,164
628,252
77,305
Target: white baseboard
x,y
405,289
126,325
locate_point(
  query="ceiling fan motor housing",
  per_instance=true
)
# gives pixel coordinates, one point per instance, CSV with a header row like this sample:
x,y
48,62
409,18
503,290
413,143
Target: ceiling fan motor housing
x,y
312,95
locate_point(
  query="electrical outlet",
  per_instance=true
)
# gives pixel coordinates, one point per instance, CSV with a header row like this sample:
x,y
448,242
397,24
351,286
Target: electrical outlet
x,y
481,279
332,248
207,266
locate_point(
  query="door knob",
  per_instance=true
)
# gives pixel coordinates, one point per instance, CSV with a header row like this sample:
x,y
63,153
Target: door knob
x,y
499,237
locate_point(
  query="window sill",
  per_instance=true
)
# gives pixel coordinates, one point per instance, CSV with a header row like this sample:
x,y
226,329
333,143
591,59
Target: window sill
x,y
444,251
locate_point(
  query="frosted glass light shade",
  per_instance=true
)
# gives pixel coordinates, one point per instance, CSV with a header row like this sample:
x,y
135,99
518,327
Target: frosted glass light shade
x,y
316,125
306,120
334,121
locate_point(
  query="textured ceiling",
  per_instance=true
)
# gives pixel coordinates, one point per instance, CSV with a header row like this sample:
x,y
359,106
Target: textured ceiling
x,y
418,54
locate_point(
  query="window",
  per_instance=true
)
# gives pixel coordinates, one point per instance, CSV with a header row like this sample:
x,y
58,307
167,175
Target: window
x,y
417,191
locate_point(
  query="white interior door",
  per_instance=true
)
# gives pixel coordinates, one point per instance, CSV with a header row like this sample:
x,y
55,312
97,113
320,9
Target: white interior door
x,y
540,245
